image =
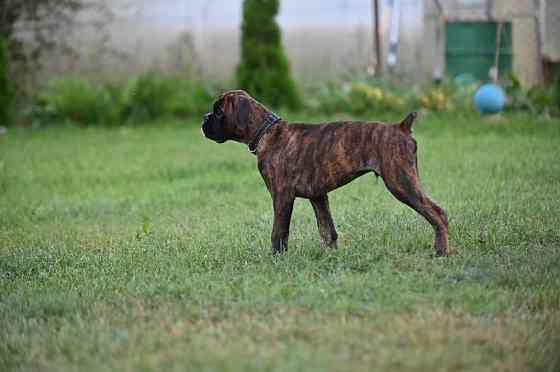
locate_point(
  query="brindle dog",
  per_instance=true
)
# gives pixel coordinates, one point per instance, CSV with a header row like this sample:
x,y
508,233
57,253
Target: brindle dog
x,y
308,161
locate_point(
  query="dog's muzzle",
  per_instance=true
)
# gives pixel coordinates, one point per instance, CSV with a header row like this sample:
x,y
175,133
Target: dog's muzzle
x,y
208,128
204,127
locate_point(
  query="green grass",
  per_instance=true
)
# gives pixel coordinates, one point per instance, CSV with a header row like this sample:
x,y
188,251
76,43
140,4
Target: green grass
x,y
149,249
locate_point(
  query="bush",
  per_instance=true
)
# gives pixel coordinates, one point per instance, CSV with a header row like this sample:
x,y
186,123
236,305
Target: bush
x,y
6,89
357,97
327,98
264,70
148,97
543,99
365,98
540,99
75,100
152,96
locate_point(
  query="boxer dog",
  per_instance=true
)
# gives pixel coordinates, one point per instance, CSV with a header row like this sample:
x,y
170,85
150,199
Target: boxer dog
x,y
310,160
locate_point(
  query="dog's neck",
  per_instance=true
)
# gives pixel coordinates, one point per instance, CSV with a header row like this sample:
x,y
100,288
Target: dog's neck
x,y
269,119
260,121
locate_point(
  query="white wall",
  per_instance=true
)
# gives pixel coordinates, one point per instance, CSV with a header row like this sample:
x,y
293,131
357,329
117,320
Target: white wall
x,y
323,38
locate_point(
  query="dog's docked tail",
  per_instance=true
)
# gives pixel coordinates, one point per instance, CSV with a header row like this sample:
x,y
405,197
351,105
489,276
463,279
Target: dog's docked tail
x,y
406,124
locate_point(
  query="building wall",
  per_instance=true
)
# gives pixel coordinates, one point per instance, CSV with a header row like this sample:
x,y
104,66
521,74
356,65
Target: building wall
x,y
409,50
527,64
521,13
432,39
551,49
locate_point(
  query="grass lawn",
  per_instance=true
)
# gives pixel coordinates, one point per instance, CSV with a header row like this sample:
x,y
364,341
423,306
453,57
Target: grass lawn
x,y
141,249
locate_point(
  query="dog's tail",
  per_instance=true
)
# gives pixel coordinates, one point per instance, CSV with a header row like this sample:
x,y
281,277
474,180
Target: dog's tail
x,y
406,124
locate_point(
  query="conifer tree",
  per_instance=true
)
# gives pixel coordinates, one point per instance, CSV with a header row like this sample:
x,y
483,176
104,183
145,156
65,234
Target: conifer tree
x,y
264,71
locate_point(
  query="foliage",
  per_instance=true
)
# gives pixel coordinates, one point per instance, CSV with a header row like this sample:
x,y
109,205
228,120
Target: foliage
x,y
152,96
6,89
543,99
75,100
540,99
264,70
363,96
367,96
448,96
148,97
327,98
148,248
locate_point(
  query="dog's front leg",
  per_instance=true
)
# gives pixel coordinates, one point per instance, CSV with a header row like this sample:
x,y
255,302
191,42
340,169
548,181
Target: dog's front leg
x,y
325,222
283,205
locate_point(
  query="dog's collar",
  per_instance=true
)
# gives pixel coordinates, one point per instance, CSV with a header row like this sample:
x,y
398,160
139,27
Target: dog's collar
x,y
269,120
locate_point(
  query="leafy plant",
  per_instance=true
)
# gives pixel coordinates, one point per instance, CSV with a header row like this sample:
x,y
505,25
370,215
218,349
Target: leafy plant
x,y
543,99
152,95
365,98
264,70
190,98
540,99
76,100
328,98
147,97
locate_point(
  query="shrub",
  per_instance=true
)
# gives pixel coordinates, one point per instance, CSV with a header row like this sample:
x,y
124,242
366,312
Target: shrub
x,y
75,100
366,98
151,96
543,99
358,97
328,98
450,96
191,98
6,89
436,100
264,70
148,97
540,99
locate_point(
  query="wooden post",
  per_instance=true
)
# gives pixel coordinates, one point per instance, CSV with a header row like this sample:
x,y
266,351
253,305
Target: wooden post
x,y
496,71
377,38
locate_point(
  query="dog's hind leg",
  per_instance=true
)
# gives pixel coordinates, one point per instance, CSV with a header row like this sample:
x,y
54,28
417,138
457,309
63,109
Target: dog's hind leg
x,y
401,178
325,222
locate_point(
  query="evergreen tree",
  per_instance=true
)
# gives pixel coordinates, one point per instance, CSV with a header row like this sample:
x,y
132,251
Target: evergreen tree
x,y
264,70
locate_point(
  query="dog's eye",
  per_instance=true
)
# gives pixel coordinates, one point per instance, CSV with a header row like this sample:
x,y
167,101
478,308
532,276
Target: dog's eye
x,y
217,106
218,113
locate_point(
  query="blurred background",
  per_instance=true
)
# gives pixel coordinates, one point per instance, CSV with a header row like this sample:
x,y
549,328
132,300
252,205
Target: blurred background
x,y
331,46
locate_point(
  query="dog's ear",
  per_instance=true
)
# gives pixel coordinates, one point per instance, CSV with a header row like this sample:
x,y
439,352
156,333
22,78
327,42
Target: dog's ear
x,y
406,124
242,108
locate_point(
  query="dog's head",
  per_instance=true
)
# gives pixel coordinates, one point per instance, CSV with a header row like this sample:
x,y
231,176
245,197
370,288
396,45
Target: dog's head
x,y
230,117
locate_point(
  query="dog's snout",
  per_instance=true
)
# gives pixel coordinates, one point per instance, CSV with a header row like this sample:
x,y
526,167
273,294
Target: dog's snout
x,y
204,127
206,118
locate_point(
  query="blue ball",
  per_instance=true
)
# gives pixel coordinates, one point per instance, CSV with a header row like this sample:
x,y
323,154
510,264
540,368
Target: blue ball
x,y
489,99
